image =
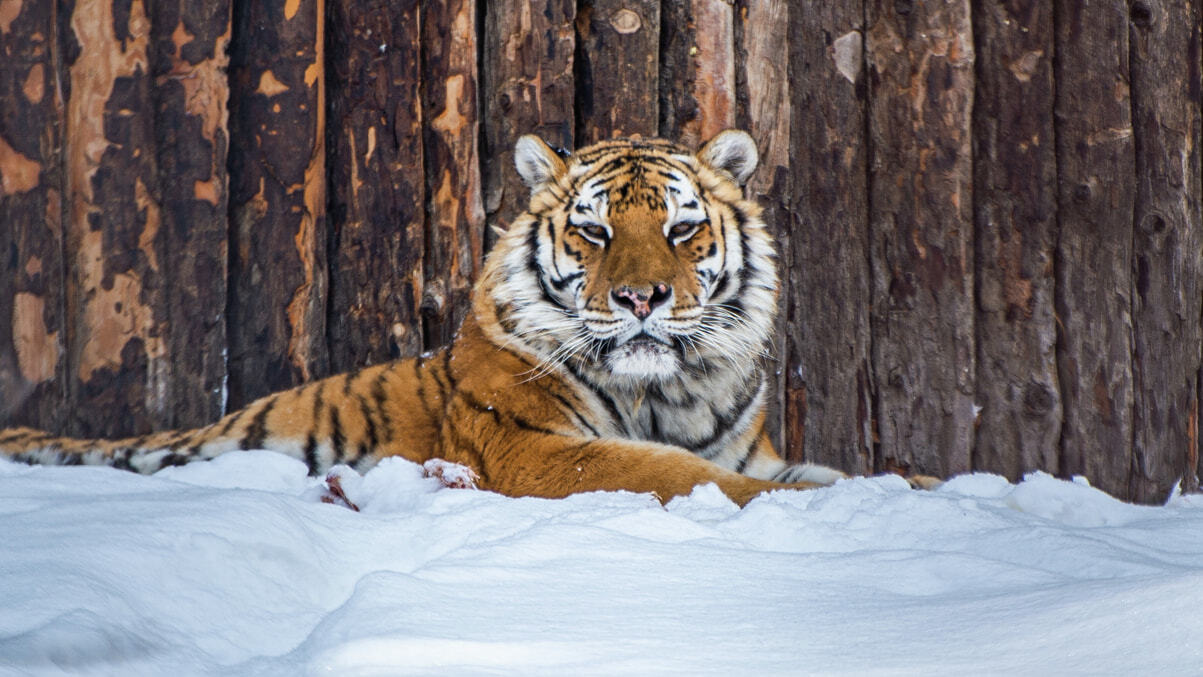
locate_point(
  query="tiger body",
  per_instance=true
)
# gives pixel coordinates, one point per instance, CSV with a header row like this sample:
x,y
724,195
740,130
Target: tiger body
x,y
615,342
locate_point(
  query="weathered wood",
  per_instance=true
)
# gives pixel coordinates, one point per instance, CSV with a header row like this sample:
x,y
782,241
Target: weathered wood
x,y
709,78
921,188
828,379
1167,243
277,319
1096,195
528,89
763,109
376,181
455,213
1015,198
188,61
32,358
618,69
116,308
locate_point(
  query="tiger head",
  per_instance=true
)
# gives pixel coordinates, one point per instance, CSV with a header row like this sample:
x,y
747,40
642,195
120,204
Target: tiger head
x,y
637,260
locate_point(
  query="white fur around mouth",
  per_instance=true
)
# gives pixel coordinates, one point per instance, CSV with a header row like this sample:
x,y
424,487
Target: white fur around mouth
x,y
643,357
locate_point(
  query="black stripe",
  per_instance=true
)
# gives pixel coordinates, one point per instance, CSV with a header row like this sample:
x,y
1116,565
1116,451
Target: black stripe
x,y
575,414
380,399
258,430
723,422
601,394
367,416
311,453
743,461
563,282
337,439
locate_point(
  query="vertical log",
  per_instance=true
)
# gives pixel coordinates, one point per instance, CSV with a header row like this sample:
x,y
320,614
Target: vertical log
x,y
921,92
1096,194
763,109
697,69
455,213
376,182
828,379
188,60
618,68
528,88
1015,210
277,197
116,310
32,364
1168,242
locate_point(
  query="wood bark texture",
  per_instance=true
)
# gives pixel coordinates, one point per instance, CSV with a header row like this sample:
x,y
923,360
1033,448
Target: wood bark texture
x,y
376,181
920,207
618,69
1096,199
828,378
32,322
277,313
1015,199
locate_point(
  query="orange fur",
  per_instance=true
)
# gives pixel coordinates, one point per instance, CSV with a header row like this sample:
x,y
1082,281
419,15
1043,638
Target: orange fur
x,y
613,343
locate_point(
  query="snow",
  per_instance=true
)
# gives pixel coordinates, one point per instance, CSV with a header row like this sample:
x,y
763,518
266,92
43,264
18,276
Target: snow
x,y
236,567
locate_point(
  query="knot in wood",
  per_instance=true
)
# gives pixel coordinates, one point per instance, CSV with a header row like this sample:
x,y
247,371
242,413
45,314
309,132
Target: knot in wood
x,y
626,21
1141,14
1037,400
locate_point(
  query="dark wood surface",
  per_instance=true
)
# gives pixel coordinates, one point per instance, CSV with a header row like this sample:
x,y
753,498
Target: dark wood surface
x,y
988,212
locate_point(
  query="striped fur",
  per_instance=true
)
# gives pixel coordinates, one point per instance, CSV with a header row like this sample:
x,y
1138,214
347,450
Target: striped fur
x,y
615,342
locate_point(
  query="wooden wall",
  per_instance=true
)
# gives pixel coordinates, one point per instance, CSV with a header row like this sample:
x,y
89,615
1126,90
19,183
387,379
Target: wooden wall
x,y
988,212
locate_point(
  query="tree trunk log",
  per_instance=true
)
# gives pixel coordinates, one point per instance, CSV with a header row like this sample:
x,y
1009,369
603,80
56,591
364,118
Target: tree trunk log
x,y
1096,198
32,355
921,197
1168,244
1015,197
618,68
191,93
377,182
455,213
277,198
828,381
528,89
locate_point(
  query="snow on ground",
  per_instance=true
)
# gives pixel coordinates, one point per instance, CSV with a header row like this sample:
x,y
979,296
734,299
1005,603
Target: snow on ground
x,y
236,567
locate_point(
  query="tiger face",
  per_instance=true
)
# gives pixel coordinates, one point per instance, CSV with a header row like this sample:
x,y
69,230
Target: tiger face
x,y
638,260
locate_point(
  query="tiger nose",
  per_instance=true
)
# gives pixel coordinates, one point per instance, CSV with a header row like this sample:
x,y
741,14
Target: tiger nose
x,y
641,301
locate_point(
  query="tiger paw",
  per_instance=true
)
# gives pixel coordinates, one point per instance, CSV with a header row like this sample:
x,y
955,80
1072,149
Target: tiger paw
x,y
452,475
334,493
925,482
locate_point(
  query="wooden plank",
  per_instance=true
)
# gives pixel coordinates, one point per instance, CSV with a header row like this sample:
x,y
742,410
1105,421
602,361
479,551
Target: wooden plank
x,y
697,69
528,89
618,69
921,183
828,377
455,212
1168,243
377,183
277,314
32,357
188,61
761,37
1095,201
116,308
1015,210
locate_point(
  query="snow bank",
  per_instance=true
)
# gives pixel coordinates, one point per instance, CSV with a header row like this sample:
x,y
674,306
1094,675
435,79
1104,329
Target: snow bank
x,y
236,567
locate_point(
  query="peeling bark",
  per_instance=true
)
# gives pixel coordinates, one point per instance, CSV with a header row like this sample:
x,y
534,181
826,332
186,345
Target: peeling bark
x,y
697,69
618,67
455,213
32,355
528,89
277,313
921,195
377,184
191,93
1015,200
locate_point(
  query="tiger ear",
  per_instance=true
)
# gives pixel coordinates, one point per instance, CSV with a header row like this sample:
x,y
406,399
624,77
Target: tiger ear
x,y
732,151
537,163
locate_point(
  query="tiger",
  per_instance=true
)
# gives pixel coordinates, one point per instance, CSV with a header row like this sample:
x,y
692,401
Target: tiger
x,y
615,342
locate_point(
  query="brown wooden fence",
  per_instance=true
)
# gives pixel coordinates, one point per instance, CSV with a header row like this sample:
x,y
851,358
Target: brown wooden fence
x,y
989,212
